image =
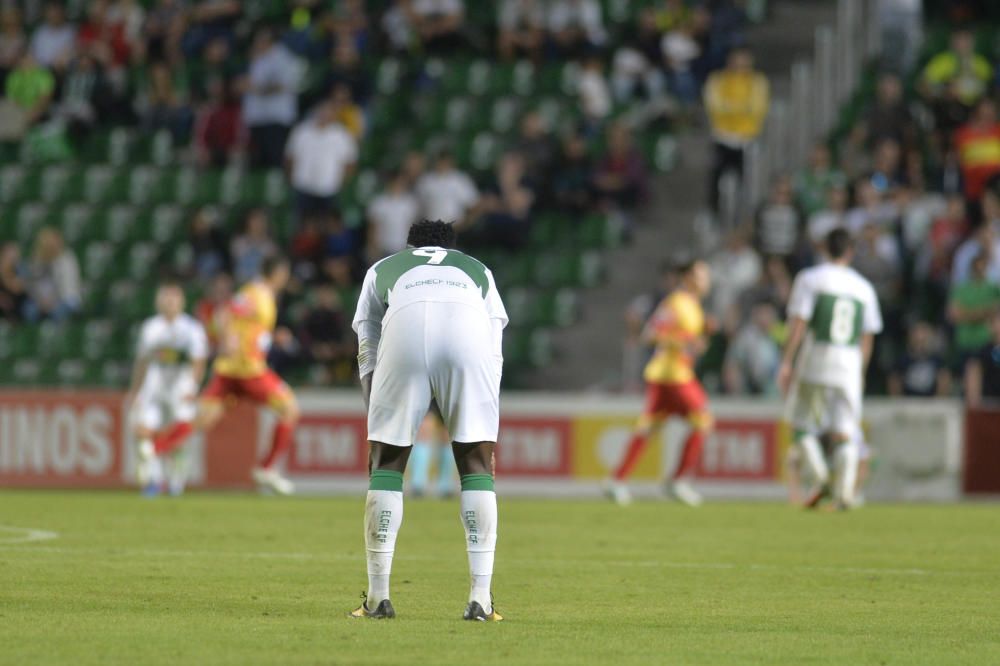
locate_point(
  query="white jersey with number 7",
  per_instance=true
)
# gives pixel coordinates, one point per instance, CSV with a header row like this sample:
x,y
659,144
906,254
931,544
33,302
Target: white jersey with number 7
x,y
840,306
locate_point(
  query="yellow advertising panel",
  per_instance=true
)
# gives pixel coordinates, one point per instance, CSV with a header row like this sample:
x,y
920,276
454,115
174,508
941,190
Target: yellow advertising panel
x,y
599,444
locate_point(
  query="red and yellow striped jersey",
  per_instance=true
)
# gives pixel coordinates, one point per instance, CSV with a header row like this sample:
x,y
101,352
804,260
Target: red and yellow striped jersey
x,y
251,317
677,323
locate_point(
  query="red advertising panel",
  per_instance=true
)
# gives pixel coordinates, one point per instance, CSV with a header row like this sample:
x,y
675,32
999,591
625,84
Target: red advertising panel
x,y
231,449
534,447
60,439
982,451
740,450
329,444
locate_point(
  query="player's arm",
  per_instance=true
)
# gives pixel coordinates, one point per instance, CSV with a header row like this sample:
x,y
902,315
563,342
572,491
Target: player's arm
x,y
498,321
141,365
368,326
199,354
867,345
796,334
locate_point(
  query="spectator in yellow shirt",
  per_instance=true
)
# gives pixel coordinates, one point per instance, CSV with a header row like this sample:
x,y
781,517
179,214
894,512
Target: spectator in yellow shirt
x,y
736,99
954,80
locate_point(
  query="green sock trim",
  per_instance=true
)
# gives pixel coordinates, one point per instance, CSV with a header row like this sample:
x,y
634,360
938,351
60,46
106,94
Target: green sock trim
x,y
477,482
386,479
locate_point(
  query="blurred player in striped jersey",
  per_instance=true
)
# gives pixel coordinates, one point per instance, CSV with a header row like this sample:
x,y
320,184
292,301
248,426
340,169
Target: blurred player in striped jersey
x,y
240,371
169,367
677,328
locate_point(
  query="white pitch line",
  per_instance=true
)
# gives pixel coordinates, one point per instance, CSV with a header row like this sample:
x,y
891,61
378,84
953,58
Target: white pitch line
x,y
25,535
21,546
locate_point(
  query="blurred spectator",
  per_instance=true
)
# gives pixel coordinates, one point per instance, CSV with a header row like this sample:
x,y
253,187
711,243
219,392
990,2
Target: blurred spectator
x,y
983,242
876,256
324,333
832,216
129,17
218,63
537,147
270,101
901,25
349,23
12,41
735,269
53,43
620,177
920,371
506,206
164,104
414,164
871,206
982,372
778,222
595,95
521,28
309,247
163,30
209,20
736,99
249,249
340,255
887,166
13,292
390,215
29,88
320,156
955,79
208,244
753,357
218,295
575,26
978,146
680,50
972,304
934,262
439,24
774,286
919,207
103,40
671,14
571,179
813,182
53,278
347,69
446,193
85,93
396,26
888,116
638,63
218,132
346,112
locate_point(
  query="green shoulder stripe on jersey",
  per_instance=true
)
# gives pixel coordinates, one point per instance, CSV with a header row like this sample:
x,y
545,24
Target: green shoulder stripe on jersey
x,y
837,320
389,270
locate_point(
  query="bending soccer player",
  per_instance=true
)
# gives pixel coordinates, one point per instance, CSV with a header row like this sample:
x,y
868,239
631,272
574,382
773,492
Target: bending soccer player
x,y
430,325
677,328
833,317
169,367
240,372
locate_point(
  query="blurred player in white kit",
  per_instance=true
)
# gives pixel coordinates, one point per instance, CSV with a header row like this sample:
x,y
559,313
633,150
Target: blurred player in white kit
x,y
833,317
169,366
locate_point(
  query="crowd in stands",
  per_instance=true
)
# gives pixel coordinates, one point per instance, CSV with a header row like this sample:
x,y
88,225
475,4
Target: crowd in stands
x,y
915,176
296,91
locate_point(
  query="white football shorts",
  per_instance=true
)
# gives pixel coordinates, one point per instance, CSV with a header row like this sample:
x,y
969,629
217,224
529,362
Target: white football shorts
x,y
438,350
817,409
160,402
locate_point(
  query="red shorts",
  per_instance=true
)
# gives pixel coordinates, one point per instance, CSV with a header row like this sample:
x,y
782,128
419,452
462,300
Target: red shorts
x,y
267,388
674,399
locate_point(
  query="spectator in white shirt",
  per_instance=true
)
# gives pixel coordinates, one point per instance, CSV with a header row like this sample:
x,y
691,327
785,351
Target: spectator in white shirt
x,y
521,26
595,94
390,215
53,43
833,216
320,156
576,26
270,102
53,278
446,193
439,24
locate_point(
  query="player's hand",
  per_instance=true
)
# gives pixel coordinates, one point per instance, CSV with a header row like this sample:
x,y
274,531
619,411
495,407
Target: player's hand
x,y
785,377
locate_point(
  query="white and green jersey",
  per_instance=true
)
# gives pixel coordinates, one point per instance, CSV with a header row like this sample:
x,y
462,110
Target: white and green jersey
x,y
840,306
424,275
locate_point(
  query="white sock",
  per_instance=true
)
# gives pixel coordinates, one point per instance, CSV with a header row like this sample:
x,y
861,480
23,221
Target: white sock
x,y
847,458
383,516
814,458
479,517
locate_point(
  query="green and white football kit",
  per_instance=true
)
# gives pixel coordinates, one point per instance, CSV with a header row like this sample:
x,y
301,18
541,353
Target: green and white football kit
x,y
430,325
840,307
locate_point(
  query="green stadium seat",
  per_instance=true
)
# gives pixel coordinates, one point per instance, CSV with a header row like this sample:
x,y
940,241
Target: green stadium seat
x,y
120,224
142,259
18,183
7,334
147,185
168,224
114,374
77,222
556,308
61,183
97,341
71,372
98,257
105,184
520,303
30,218
389,76
504,114
27,371
54,340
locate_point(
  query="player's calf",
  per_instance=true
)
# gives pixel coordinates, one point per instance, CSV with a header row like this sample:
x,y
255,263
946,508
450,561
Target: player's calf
x,y
479,518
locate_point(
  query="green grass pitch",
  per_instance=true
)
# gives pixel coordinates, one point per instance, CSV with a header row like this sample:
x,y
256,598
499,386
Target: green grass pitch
x,y
240,579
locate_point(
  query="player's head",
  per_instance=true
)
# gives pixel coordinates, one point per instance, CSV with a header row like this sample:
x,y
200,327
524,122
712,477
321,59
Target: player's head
x,y
839,246
275,270
696,276
431,233
170,298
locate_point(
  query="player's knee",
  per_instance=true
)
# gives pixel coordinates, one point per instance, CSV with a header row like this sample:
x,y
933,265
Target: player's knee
x,y
289,411
702,421
143,432
387,457
209,413
476,458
